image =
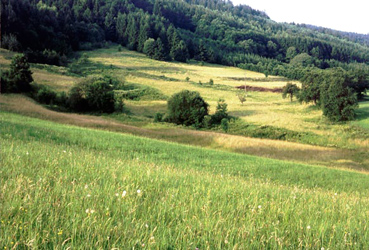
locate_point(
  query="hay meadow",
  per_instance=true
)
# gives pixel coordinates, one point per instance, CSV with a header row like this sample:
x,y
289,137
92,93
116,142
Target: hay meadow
x,y
121,181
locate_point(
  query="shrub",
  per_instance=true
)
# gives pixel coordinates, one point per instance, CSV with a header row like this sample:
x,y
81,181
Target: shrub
x,y
44,94
187,108
207,121
158,117
18,78
242,96
220,113
10,42
118,101
94,94
225,124
61,99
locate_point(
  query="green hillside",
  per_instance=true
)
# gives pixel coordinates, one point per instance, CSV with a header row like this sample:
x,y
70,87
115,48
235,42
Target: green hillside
x,y
64,186
93,157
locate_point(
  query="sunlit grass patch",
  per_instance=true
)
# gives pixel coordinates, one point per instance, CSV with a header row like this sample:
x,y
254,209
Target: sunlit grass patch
x,y
63,186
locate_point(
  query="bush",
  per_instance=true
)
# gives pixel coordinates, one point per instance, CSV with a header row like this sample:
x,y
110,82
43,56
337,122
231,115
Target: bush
x,y
94,94
220,113
44,94
207,122
225,124
18,78
158,117
187,108
61,99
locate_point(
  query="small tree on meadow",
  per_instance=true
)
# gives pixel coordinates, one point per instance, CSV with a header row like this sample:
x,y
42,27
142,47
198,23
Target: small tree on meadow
x,y
18,78
221,112
187,108
242,97
290,90
338,100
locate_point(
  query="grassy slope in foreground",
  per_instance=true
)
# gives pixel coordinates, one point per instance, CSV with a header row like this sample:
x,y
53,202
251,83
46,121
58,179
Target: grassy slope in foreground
x,y
64,186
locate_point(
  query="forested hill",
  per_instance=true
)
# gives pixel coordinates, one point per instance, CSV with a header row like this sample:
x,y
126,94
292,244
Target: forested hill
x,y
206,30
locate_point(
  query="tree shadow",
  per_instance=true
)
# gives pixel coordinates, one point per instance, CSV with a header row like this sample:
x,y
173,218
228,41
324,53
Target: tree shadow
x,y
362,113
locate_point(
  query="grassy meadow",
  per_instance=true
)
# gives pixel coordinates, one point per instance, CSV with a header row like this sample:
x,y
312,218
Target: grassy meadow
x,y
122,181
65,186
264,114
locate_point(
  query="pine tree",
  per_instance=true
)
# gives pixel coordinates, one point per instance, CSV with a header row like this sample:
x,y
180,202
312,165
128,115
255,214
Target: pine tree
x,y
145,33
132,32
179,52
160,52
121,28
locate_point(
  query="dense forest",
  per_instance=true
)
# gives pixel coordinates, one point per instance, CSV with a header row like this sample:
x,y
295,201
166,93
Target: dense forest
x,y
207,30
214,31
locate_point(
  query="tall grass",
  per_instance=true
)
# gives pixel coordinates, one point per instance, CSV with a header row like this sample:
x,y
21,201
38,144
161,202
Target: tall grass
x,y
64,186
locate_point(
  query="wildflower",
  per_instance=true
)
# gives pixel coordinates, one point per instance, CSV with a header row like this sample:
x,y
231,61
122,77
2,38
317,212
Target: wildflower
x,y
259,206
147,226
60,232
90,211
88,195
308,227
27,153
64,151
335,193
116,194
86,186
124,193
226,241
322,248
139,192
143,245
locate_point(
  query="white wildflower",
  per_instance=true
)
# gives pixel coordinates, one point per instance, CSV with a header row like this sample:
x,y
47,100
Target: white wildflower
x,y
124,193
308,227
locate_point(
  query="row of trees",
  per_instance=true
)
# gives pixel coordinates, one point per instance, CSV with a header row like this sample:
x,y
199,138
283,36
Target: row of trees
x,y
335,91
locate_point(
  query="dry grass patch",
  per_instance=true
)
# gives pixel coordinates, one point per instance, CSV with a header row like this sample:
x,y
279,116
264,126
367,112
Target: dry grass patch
x,y
54,81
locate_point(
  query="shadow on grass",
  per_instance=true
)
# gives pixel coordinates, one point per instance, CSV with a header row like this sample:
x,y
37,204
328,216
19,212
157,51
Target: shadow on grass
x,y
362,113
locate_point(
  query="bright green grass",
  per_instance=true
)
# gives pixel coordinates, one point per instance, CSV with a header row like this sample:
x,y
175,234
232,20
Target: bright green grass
x,y
363,114
61,187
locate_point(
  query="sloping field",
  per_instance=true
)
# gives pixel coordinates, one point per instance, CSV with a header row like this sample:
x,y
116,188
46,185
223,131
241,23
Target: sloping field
x,y
260,147
67,187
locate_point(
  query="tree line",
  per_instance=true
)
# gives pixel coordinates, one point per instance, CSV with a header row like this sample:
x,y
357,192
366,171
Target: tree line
x,y
214,31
